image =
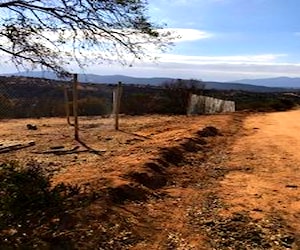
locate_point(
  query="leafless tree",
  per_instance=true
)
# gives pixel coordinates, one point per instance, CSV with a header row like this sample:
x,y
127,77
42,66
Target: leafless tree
x,y
179,92
52,33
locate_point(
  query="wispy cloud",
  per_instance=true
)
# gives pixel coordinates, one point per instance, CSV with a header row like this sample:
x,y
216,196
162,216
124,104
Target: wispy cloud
x,y
206,72
226,68
237,59
187,35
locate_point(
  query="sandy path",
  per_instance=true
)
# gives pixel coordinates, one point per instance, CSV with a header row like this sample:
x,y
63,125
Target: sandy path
x,y
269,150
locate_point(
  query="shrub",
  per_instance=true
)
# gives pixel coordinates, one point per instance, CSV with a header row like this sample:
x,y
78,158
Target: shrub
x,y
283,105
177,93
28,202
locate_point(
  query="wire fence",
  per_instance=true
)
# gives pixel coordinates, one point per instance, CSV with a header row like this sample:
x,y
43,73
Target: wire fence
x,y
23,97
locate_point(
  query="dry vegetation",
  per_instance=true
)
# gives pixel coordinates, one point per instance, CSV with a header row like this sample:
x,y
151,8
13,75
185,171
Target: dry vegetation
x,y
164,182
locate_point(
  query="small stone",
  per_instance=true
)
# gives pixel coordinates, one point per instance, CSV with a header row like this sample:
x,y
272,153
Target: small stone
x,y
31,127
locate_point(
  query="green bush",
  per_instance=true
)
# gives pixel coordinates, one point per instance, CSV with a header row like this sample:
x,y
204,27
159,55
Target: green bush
x,y
283,105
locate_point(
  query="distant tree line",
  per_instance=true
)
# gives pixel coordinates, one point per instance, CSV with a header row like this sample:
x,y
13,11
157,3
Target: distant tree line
x,y
171,97
31,97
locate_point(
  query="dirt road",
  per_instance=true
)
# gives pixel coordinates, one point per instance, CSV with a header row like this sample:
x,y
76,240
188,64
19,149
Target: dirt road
x,y
160,183
270,151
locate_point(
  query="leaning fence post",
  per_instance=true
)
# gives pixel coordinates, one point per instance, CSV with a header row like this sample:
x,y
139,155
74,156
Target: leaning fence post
x,y
75,105
117,104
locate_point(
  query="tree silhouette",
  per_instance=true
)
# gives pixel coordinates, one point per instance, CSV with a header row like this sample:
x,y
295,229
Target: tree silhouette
x,y
178,93
51,34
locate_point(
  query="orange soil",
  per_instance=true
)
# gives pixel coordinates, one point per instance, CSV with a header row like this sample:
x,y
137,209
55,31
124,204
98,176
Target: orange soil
x,y
269,147
261,153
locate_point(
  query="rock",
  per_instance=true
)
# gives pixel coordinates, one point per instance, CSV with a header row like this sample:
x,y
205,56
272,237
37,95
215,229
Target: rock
x,y
31,127
287,241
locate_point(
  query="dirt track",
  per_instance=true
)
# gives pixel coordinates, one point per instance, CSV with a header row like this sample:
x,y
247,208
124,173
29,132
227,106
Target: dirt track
x,y
161,184
269,148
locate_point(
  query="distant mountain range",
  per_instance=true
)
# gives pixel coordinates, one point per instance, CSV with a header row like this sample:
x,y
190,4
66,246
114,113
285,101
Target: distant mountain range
x,y
281,82
254,85
92,78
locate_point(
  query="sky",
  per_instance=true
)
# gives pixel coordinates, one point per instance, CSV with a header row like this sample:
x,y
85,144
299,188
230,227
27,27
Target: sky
x,y
221,40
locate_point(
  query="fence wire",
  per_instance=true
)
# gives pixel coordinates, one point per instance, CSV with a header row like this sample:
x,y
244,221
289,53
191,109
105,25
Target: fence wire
x,y
22,97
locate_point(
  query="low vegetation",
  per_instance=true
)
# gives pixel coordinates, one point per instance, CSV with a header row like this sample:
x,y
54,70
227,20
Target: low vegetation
x,y
29,205
33,97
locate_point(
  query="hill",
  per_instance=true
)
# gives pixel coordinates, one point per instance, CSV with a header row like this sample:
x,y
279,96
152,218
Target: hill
x,y
112,79
281,82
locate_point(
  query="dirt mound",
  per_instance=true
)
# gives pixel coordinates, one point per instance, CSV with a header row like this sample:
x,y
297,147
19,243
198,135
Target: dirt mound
x,y
172,155
191,145
149,180
155,174
158,167
209,131
128,192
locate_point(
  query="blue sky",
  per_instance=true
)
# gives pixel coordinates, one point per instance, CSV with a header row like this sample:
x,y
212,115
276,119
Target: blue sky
x,y
222,40
241,38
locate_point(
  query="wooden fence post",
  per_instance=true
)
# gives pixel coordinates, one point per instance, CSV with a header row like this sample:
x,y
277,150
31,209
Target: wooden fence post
x,y
75,105
189,107
117,104
67,108
114,101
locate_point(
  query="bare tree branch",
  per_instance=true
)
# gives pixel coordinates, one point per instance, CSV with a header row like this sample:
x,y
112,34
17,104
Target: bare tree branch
x,y
53,33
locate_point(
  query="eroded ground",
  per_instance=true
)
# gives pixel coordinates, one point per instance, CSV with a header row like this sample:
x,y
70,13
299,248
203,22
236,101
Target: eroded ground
x,y
163,182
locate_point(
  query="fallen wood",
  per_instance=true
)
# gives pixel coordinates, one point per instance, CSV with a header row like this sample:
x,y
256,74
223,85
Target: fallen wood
x,y
58,151
69,151
14,147
9,145
57,147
